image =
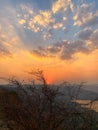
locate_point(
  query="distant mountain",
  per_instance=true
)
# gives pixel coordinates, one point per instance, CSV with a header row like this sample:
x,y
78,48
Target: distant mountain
x,y
92,87
82,94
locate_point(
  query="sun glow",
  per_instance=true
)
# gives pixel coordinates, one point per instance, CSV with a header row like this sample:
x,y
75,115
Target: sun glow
x,y
58,39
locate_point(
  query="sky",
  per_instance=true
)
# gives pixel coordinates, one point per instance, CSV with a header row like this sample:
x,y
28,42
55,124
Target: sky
x,y
59,37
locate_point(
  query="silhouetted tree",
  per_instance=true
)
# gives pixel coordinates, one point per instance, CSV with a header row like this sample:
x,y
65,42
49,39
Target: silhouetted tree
x,y
46,107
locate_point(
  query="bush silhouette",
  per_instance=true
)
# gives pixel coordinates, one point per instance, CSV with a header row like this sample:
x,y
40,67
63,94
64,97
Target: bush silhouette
x,y
45,107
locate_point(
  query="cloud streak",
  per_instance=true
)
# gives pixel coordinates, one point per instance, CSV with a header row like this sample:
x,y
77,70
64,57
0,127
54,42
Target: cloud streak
x,y
66,50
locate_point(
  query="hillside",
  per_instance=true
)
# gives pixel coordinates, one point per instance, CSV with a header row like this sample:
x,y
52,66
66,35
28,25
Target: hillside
x,y
85,93
7,101
43,110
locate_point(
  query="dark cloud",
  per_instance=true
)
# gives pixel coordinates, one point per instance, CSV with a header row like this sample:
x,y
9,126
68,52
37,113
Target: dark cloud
x,y
94,38
54,49
39,53
65,50
85,34
93,21
69,49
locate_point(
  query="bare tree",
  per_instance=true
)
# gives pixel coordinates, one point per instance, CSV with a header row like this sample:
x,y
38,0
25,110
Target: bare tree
x,y
45,107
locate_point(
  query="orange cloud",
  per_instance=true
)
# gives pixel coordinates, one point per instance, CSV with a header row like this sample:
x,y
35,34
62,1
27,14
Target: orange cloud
x,y
83,69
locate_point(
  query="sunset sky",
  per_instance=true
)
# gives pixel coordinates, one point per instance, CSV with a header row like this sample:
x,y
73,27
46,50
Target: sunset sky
x,y
59,37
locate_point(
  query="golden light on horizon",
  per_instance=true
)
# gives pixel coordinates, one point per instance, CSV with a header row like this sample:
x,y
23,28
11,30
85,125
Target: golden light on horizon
x,y
60,39
83,69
